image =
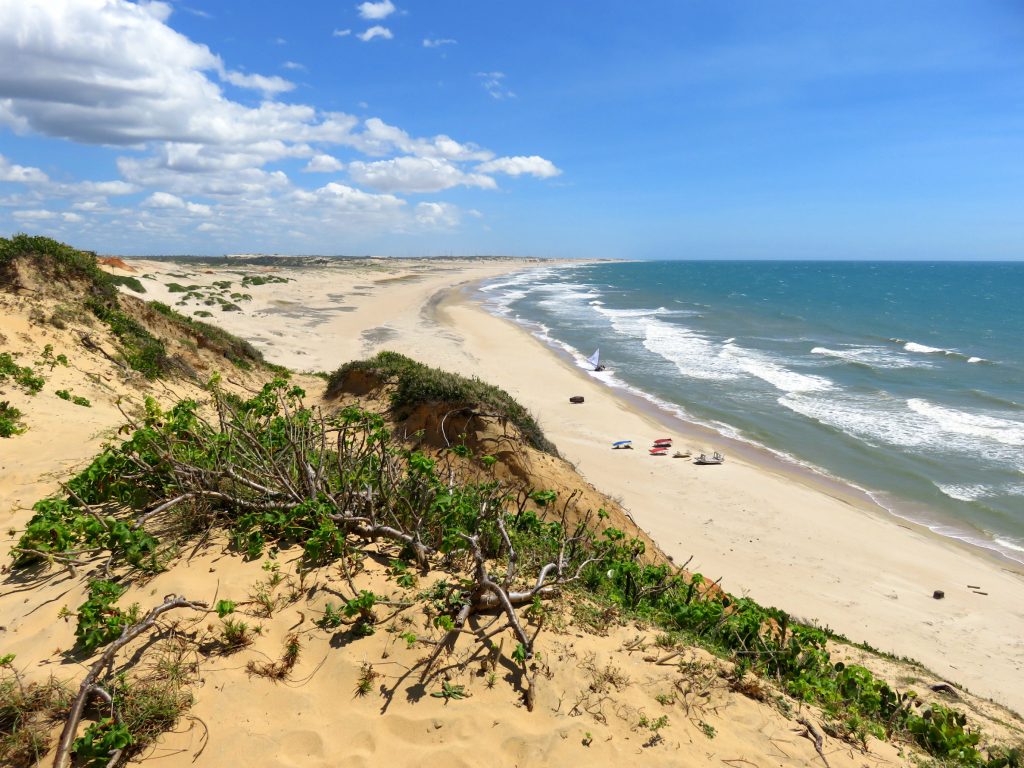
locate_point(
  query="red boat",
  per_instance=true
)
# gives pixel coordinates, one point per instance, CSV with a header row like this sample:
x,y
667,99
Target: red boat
x,y
658,451
663,442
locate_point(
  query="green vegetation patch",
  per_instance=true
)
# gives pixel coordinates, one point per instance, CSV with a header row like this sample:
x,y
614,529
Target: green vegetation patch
x,y
418,384
238,351
263,279
22,375
132,283
10,420
141,350
63,394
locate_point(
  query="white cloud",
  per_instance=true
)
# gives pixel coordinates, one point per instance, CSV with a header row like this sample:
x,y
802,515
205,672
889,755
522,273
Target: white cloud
x,y
374,11
342,32
323,164
437,42
269,85
378,138
438,215
103,188
73,218
294,65
22,174
36,215
113,74
492,83
375,31
163,200
415,174
519,165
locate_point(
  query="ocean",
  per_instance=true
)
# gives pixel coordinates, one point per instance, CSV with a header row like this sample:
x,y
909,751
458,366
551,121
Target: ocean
x,y
904,379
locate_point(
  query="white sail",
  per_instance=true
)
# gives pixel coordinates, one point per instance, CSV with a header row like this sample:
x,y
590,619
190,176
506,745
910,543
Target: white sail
x,y
595,359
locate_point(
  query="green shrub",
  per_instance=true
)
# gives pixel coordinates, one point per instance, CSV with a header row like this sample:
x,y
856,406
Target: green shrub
x,y
63,394
10,420
132,283
22,375
239,351
418,384
99,621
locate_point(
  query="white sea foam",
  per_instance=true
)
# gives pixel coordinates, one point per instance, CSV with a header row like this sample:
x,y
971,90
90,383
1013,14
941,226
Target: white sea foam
x,y
978,492
758,364
914,424
1016,546
1001,430
965,492
875,357
924,349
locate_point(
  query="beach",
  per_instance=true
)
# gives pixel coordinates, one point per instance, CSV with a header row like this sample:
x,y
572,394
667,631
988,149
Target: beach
x,y
767,529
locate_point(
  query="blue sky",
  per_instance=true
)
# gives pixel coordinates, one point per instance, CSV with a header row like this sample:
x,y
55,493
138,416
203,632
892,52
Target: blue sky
x,y
746,129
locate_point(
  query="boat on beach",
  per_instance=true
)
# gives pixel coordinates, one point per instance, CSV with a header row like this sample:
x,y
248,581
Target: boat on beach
x,y
595,360
715,458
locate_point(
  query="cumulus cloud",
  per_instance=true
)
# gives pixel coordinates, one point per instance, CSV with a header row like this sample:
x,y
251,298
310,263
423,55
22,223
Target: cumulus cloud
x,y
533,165
269,85
163,200
437,215
375,31
40,214
21,173
323,164
114,74
375,11
379,138
415,174
437,42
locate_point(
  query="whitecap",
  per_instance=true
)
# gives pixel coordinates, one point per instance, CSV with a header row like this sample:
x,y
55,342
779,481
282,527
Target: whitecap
x,y
758,364
1002,430
874,357
924,349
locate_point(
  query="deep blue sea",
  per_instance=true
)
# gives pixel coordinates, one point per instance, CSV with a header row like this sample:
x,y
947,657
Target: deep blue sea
x,y
904,379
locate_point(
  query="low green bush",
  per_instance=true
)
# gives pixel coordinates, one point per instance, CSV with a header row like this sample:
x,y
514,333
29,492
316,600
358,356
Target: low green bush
x,y
419,384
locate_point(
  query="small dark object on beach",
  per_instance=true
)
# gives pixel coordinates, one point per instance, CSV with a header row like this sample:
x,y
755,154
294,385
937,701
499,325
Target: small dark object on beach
x,y
974,586
576,399
979,592
938,594
945,688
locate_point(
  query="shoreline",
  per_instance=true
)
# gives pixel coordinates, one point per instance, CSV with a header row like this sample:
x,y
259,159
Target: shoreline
x,y
765,458
765,526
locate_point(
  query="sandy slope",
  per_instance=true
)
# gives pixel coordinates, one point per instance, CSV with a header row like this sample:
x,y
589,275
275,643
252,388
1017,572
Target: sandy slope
x,y
766,529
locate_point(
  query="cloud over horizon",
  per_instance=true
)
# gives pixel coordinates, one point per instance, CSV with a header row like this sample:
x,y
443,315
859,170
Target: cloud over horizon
x,y
113,75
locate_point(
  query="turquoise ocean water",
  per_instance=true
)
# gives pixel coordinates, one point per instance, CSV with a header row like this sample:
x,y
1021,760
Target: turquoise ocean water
x,y
903,379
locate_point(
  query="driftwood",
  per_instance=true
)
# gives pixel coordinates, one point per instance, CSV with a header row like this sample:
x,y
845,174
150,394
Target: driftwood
x,y
812,733
90,686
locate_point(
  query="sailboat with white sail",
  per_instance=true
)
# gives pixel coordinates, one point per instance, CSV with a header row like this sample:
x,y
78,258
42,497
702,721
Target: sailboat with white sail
x,y
595,360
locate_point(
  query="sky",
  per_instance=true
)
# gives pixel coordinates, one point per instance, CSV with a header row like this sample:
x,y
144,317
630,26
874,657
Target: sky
x,y
848,129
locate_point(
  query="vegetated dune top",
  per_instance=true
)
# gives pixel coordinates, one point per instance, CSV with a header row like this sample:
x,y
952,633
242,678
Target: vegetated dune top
x,y
605,688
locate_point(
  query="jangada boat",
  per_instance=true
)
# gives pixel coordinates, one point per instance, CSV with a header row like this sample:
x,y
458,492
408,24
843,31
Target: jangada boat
x,y
715,458
658,451
595,360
